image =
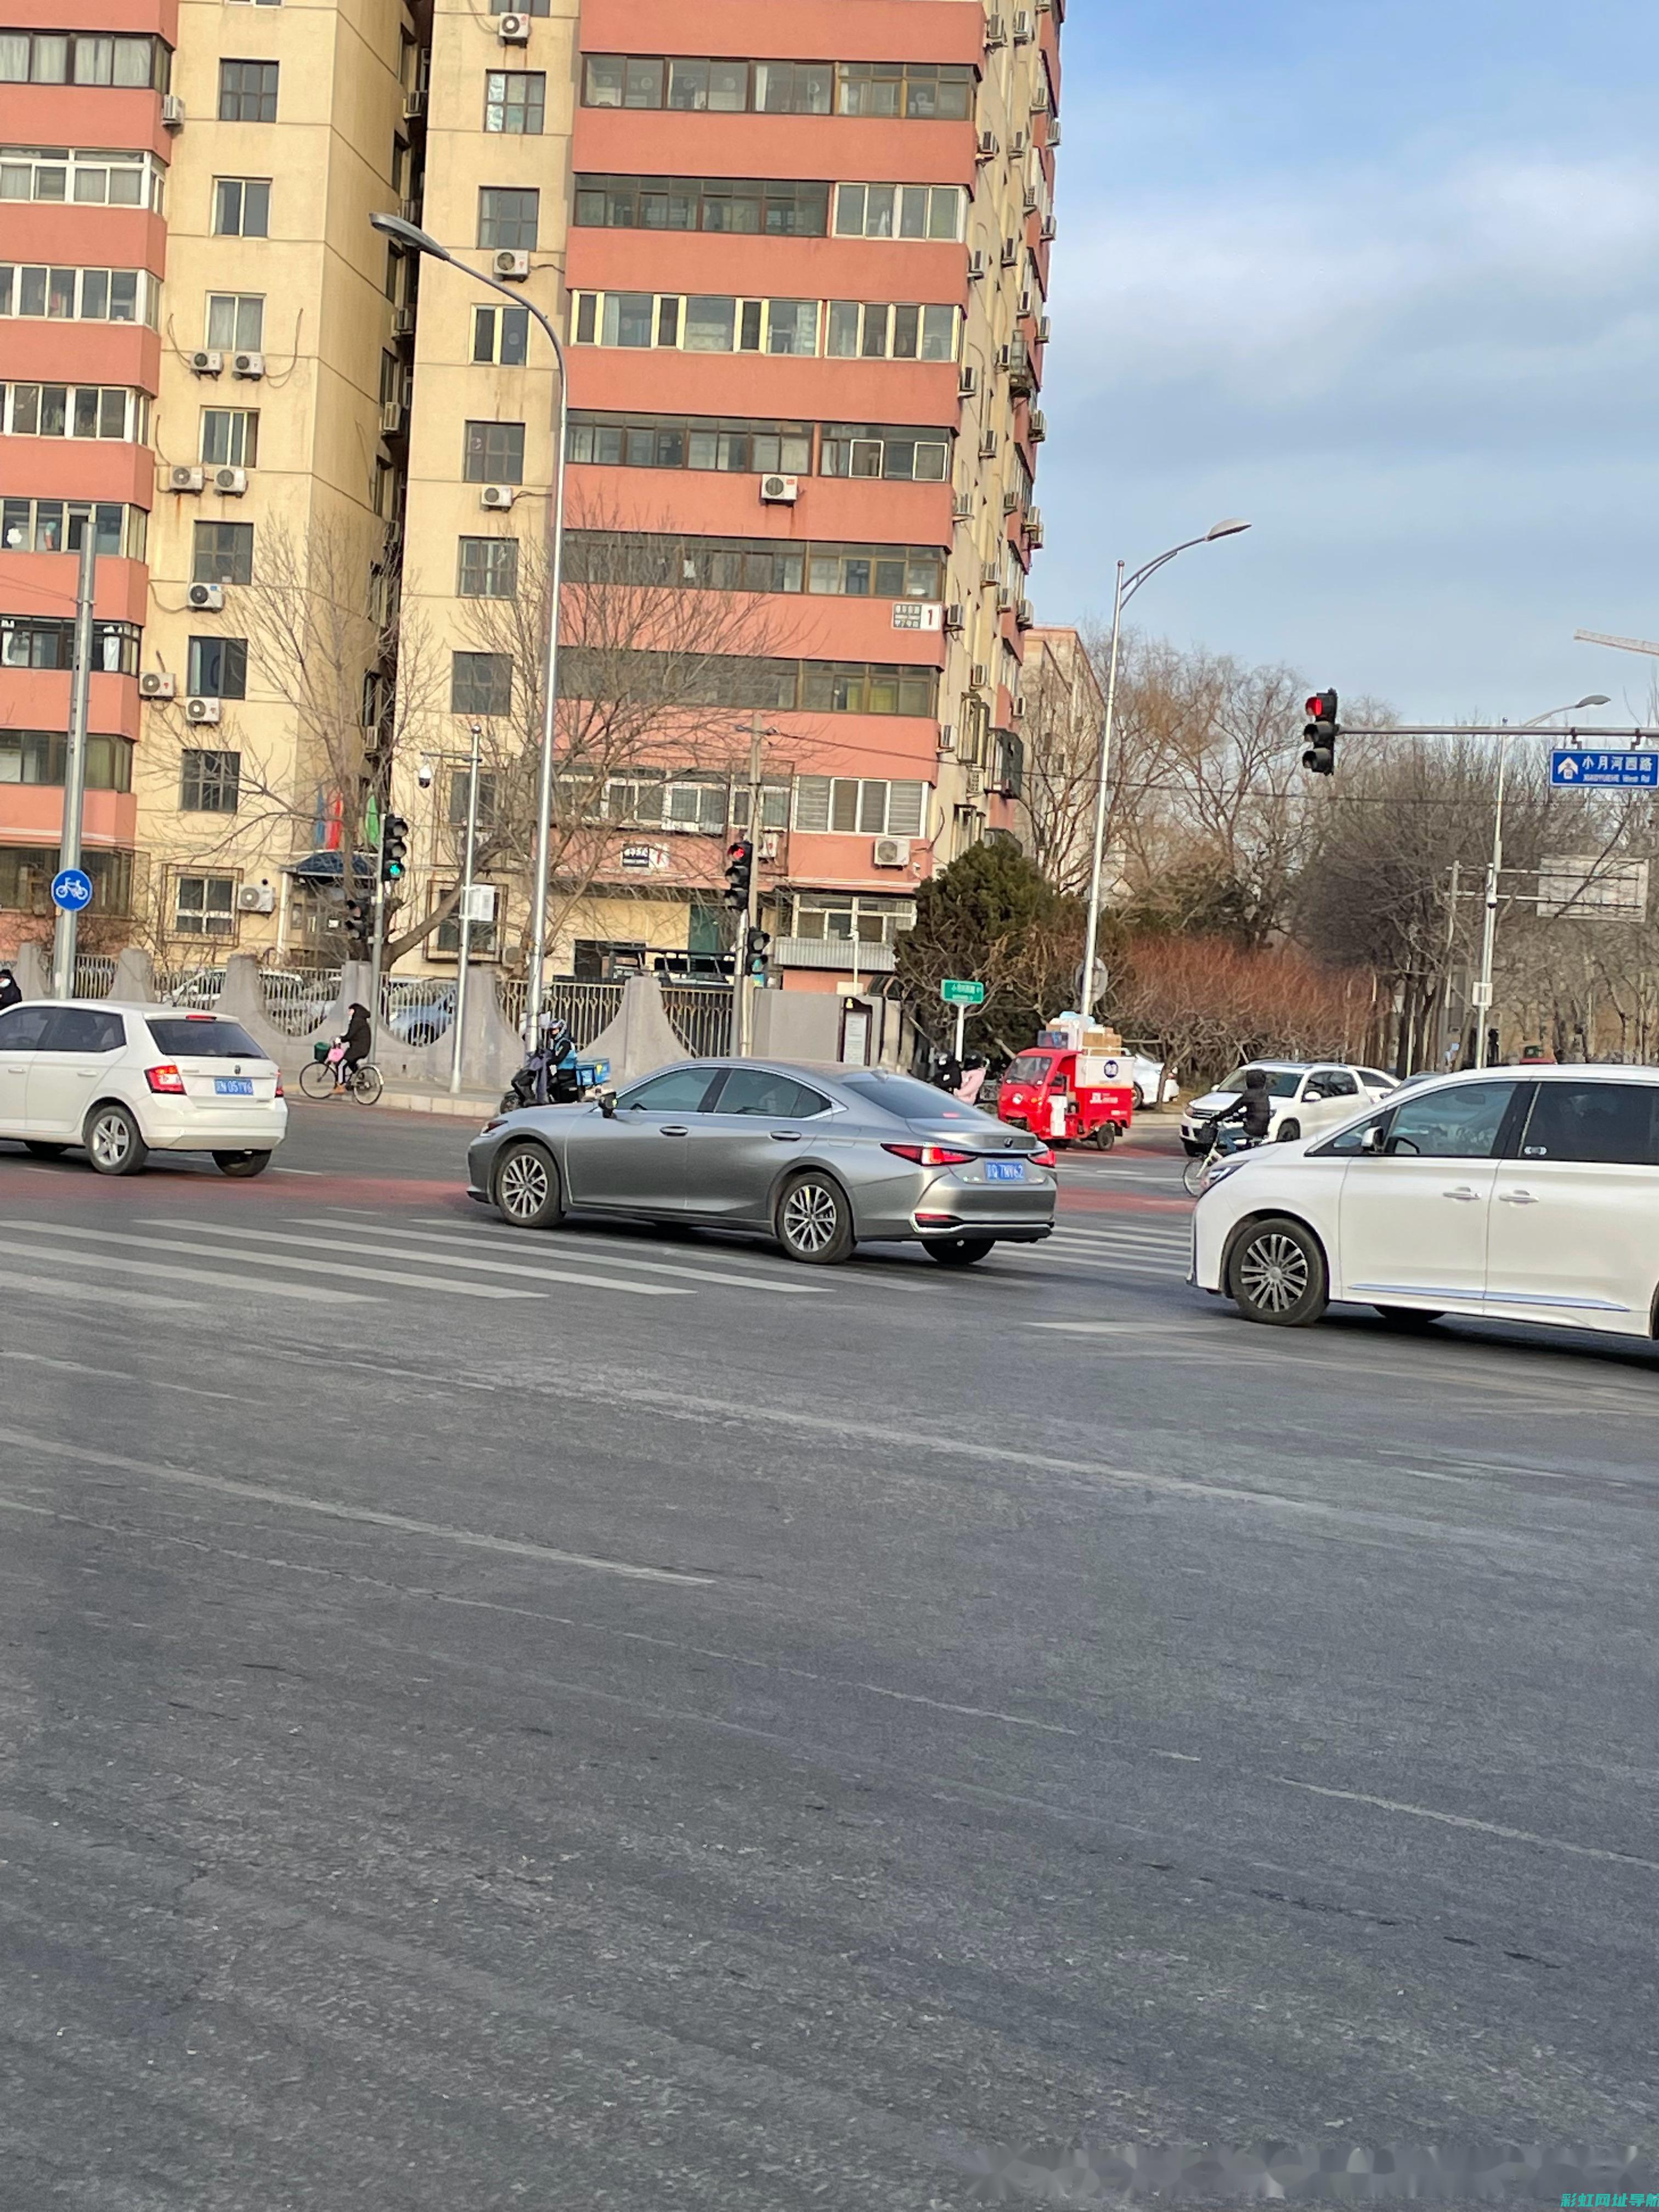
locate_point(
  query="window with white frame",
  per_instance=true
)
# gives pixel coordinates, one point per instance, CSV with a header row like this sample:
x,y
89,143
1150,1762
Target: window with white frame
x,y
864,806
85,296
913,211
230,437
55,175
204,906
54,525
241,207
898,453
872,920
857,330
74,410
697,323
500,335
140,62
236,319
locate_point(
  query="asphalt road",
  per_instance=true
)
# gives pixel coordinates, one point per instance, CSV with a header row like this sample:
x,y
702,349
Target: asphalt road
x,y
611,1720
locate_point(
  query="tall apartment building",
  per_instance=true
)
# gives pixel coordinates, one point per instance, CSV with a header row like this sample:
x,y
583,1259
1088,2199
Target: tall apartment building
x,y
799,256
193,322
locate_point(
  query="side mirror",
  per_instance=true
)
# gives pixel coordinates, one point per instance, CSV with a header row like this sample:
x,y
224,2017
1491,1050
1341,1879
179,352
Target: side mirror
x,y
1372,1139
608,1105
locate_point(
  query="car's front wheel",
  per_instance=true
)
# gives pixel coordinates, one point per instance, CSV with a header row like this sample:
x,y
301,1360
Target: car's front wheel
x,y
115,1143
813,1221
959,1251
242,1165
1288,1132
525,1187
1277,1273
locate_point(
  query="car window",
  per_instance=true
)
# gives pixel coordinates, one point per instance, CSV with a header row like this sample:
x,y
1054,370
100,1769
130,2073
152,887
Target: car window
x,y
21,1028
1350,1141
1337,1083
1616,1123
910,1101
681,1090
1376,1075
83,1028
1461,1122
1282,1082
779,1097
201,1037
1030,1067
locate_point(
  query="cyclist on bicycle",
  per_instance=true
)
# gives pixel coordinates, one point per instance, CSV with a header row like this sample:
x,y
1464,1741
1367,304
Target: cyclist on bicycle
x,y
1253,1109
357,1042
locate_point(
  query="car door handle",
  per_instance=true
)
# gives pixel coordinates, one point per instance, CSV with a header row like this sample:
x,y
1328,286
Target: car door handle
x,y
1517,1198
1462,1191
785,1136
673,1129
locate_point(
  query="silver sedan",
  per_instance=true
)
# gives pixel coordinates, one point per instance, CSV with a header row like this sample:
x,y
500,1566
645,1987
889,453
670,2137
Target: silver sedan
x,y
820,1159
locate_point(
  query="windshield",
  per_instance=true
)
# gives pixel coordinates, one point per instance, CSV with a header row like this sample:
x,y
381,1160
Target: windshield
x,y
1030,1067
205,1037
908,1100
1281,1081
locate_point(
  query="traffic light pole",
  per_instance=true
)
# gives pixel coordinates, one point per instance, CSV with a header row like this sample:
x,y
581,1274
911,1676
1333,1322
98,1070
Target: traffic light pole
x,y
458,1042
376,949
741,985
75,769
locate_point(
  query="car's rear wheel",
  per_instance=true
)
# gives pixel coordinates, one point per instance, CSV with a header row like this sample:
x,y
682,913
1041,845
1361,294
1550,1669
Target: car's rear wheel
x,y
959,1251
115,1143
1288,1132
45,1148
1137,1097
1408,1317
813,1221
1105,1136
242,1165
1277,1273
525,1187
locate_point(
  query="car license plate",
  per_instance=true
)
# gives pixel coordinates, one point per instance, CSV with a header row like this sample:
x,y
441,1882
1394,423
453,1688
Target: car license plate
x,y
1004,1171
234,1086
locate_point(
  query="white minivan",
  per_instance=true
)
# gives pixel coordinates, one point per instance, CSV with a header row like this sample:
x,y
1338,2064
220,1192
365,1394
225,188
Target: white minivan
x,y
1516,1194
124,1080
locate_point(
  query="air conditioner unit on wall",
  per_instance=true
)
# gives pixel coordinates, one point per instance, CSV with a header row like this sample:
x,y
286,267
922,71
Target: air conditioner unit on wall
x,y
967,381
205,599
891,852
513,30
510,262
986,150
202,710
403,322
780,491
182,478
996,34
250,366
172,112
207,363
233,483
256,898
498,497
156,684
414,103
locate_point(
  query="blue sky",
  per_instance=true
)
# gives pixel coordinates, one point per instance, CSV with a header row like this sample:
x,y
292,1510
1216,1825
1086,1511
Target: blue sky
x,y
1383,276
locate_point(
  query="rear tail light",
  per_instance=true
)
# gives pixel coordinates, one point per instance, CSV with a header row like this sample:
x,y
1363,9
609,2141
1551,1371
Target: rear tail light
x,y
495,1124
1042,1159
279,1092
165,1079
930,1156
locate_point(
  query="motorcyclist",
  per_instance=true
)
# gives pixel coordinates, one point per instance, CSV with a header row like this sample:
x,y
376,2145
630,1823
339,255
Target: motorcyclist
x,y
1252,1109
545,1078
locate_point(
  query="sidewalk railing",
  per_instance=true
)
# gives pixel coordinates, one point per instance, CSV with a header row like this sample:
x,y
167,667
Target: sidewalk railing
x,y
296,1002
418,1008
586,1006
189,987
95,975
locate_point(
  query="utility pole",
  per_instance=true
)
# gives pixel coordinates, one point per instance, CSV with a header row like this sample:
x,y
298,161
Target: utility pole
x,y
740,980
457,1042
376,949
75,769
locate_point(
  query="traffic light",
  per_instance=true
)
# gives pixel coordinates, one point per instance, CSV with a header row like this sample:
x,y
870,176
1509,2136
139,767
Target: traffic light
x,y
394,848
356,920
756,946
1321,734
739,873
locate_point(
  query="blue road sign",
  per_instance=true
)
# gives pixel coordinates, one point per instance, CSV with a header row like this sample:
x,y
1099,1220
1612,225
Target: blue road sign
x,y
72,889
1628,771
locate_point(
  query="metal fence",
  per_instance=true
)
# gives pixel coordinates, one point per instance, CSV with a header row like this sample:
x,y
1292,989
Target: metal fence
x,y
189,987
418,1008
95,975
586,1006
297,1000
702,1016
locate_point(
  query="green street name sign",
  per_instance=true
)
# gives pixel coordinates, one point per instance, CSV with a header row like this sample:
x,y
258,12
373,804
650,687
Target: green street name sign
x,y
956,992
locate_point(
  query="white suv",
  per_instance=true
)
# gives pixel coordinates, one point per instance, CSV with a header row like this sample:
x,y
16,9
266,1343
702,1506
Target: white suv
x,y
1304,1096
1518,1195
127,1080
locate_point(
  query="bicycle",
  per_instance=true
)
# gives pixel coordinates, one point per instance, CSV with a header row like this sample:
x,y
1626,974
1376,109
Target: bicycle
x,y
1224,1143
321,1079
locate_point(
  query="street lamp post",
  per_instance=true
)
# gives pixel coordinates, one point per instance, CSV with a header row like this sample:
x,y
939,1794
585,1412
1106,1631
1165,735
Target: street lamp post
x,y
416,241
1126,589
1489,924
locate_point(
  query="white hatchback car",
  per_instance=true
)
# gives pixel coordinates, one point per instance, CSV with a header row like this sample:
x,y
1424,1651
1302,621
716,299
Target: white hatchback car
x,y
1305,1096
1518,1195
125,1080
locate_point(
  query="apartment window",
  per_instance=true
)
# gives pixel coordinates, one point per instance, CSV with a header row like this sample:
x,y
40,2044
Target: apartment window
x,y
83,58
900,455
230,437
750,207
481,684
500,335
1011,763
218,668
236,321
38,756
509,217
697,323
87,179
720,86
210,783
27,871
247,92
74,410
864,331
241,207
927,90
856,687
460,792
52,526
916,211
88,295
493,452
734,680
489,569
674,442
822,915
532,8
515,101
756,564
858,806
48,641
204,906
223,553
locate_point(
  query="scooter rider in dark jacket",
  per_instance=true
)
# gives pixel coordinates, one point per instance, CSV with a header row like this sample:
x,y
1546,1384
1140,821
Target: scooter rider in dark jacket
x,y
1253,1109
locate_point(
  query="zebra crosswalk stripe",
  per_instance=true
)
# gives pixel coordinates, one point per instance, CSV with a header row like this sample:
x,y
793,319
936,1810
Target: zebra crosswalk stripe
x,y
451,1237
214,1253
41,1246
353,1241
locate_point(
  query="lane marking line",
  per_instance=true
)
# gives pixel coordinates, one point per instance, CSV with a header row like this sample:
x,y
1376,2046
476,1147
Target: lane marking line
x,y
1467,1821
260,1285
42,1250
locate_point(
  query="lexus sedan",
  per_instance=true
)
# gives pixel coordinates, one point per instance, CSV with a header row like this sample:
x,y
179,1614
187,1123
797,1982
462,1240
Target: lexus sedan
x,y
820,1159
